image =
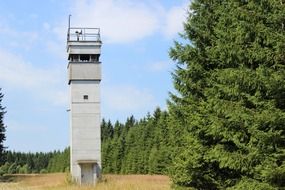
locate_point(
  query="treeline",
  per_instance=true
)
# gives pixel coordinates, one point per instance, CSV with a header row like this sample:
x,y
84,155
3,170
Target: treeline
x,y
134,147
25,163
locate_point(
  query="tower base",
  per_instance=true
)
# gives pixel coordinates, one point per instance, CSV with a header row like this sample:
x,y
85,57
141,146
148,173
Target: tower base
x,y
88,174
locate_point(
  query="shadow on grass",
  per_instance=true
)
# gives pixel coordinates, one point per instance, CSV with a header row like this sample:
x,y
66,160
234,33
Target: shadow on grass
x,y
8,179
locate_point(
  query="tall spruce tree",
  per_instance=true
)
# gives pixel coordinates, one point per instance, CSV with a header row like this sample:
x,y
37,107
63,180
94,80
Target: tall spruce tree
x,y
2,129
230,105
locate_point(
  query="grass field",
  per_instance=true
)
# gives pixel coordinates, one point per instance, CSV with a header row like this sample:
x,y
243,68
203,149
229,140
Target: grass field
x,y
109,182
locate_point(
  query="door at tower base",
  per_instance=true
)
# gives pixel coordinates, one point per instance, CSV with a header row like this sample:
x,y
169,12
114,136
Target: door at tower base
x,y
89,172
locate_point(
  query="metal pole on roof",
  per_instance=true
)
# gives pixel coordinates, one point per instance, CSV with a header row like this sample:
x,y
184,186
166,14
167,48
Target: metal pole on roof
x,y
69,21
68,31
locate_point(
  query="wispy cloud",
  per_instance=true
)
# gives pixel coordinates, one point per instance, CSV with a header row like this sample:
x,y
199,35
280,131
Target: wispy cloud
x,y
174,19
11,37
120,21
125,21
159,66
16,73
20,39
127,98
57,47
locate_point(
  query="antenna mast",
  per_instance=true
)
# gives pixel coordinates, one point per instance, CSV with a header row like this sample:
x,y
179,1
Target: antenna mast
x,y
68,30
69,21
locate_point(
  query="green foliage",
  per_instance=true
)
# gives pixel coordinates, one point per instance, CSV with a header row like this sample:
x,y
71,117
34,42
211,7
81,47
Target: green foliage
x,y
25,163
252,184
24,169
59,162
69,179
2,129
43,171
106,130
12,169
4,168
137,147
229,111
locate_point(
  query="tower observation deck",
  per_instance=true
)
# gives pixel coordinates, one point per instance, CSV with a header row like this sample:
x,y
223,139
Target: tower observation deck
x,y
83,34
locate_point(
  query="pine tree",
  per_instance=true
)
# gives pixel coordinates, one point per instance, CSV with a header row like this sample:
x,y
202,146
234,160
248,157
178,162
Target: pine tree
x,y
229,109
2,130
106,130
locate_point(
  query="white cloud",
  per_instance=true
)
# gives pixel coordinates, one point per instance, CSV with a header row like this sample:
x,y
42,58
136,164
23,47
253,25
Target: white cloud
x,y
174,20
125,21
127,98
17,38
120,21
55,39
24,40
14,70
16,73
57,48
159,66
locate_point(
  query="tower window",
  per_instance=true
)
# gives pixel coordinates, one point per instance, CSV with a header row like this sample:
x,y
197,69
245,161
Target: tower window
x,y
85,97
84,58
94,58
74,57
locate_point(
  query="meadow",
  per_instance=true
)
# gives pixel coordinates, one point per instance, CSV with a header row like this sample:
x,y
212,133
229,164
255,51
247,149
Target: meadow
x,y
59,181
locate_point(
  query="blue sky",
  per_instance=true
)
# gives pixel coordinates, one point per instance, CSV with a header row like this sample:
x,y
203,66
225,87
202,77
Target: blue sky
x,y
136,35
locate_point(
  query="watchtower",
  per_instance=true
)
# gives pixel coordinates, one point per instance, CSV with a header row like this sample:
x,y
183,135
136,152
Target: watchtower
x,y
84,76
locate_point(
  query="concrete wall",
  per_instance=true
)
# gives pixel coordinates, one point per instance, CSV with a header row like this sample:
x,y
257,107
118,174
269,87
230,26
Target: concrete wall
x,y
84,71
84,47
84,80
85,124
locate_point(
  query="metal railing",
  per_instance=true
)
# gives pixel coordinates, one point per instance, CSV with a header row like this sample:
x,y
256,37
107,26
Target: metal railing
x,y
83,34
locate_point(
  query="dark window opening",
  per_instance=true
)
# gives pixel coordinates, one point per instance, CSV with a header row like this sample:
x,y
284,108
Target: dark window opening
x,y
85,97
84,58
94,58
74,57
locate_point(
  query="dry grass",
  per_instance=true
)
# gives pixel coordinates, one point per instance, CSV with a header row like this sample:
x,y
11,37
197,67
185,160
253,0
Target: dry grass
x,y
109,182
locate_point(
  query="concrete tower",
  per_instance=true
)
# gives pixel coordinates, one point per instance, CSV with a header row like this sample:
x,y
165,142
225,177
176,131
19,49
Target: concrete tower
x,y
84,76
